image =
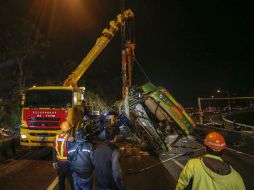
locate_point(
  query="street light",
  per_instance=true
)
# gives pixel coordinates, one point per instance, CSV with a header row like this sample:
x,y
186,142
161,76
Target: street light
x,y
229,105
210,101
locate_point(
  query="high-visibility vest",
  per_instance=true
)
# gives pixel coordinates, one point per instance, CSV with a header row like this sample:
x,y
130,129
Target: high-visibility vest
x,y
204,178
60,145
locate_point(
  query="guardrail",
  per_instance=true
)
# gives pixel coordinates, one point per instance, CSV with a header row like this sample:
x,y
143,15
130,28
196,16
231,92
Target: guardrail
x,y
238,124
232,137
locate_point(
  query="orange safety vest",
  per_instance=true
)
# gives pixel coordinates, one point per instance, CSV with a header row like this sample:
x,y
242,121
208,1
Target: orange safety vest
x,y
60,145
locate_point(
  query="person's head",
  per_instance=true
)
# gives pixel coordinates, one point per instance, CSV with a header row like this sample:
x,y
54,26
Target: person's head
x,y
86,118
79,134
112,133
66,126
215,143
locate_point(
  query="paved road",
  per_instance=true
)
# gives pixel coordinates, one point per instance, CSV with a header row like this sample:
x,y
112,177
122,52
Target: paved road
x,y
33,169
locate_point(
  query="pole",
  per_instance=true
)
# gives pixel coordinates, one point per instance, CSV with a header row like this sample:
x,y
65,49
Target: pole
x,y
200,111
229,105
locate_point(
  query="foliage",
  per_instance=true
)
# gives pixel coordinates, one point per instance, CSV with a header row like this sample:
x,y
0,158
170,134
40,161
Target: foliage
x,y
20,42
21,39
3,113
98,103
118,105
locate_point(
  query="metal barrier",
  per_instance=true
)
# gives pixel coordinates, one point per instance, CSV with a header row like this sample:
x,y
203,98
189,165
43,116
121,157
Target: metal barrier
x,y
233,137
238,124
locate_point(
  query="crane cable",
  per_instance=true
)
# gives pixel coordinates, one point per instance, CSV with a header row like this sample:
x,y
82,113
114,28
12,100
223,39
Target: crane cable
x,y
141,68
128,29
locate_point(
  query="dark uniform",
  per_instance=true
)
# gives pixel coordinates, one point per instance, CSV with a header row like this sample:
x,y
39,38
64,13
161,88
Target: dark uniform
x,y
61,145
80,155
107,167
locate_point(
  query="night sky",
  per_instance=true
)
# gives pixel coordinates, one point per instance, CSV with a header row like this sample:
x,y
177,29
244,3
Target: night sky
x,y
192,48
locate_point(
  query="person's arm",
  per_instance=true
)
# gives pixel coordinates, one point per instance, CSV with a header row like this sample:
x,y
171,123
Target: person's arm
x,y
117,171
92,155
70,150
186,175
240,183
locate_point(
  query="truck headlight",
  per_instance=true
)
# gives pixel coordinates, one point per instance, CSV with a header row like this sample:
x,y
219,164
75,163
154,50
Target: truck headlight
x,y
23,136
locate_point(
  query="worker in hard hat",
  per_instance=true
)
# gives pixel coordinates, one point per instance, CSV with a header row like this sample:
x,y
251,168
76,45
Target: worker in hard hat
x,y
87,127
86,118
80,155
60,150
210,172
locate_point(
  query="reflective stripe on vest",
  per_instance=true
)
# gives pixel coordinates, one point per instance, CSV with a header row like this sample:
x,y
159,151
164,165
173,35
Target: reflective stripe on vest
x,y
215,144
60,146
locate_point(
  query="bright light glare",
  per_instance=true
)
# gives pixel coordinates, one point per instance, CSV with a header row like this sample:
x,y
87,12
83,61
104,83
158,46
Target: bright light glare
x,y
59,16
23,136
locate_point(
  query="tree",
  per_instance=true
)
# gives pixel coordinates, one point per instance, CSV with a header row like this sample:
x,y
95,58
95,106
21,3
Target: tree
x,y
20,41
99,104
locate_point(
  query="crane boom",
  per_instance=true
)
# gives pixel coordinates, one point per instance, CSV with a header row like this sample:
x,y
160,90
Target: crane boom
x,y
100,44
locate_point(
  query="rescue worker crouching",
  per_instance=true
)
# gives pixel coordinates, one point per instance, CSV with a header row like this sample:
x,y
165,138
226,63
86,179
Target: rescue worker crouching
x,y
80,155
210,172
60,150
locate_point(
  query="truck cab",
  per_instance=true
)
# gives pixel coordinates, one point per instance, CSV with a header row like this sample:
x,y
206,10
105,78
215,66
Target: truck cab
x,y
45,108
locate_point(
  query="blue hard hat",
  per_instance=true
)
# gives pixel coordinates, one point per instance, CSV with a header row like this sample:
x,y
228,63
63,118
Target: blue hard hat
x,y
108,116
86,118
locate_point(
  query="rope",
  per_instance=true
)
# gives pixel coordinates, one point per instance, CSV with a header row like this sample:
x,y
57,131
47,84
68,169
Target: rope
x,y
142,70
135,171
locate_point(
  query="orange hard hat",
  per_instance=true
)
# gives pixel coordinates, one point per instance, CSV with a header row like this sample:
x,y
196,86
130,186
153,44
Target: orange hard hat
x,y
65,126
215,141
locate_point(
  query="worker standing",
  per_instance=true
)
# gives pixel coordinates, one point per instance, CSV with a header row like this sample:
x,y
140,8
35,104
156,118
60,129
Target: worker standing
x,y
210,172
80,155
106,160
60,150
87,127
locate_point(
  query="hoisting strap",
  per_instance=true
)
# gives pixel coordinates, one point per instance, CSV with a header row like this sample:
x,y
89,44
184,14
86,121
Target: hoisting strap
x,y
141,68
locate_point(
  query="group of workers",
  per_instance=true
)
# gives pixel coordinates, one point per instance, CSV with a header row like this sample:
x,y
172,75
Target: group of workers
x,y
77,159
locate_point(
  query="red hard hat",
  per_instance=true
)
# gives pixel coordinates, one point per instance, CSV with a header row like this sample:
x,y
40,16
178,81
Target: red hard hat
x,y
215,141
